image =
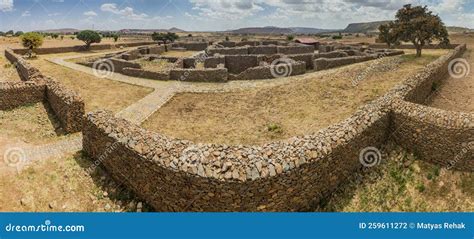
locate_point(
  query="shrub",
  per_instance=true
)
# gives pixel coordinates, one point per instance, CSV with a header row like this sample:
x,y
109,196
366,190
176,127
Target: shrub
x,y
336,37
89,37
31,40
164,37
290,37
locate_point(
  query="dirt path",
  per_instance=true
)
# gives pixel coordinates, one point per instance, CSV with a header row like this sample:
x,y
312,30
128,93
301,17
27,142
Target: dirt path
x,y
457,94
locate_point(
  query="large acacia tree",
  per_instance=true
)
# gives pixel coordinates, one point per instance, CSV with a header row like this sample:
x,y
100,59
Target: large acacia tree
x,y
419,26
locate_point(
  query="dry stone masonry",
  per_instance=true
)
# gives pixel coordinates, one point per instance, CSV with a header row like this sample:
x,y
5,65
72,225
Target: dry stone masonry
x,y
289,175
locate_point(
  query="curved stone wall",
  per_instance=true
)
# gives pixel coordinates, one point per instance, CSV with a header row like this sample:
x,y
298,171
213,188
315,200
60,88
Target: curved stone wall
x,y
290,175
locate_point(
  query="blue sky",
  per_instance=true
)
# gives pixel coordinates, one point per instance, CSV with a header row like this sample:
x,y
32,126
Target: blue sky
x,y
204,15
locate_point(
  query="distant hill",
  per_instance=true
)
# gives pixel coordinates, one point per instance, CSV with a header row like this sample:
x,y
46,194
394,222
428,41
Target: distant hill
x,y
455,29
364,27
147,31
60,31
279,30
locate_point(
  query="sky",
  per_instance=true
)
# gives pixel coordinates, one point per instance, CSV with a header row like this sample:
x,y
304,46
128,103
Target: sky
x,y
214,15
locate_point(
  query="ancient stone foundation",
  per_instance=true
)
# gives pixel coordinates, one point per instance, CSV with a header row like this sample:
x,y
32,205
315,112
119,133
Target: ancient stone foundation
x,y
66,104
289,175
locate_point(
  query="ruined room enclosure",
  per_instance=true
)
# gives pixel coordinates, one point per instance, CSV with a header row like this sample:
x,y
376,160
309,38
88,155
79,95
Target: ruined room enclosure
x,y
303,105
231,175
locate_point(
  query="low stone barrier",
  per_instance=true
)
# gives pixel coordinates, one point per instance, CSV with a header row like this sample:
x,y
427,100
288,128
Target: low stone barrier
x,y
189,62
25,70
441,137
325,63
410,46
271,71
67,106
175,175
153,75
199,75
307,58
291,50
289,175
56,50
16,94
213,62
263,50
228,51
119,64
239,63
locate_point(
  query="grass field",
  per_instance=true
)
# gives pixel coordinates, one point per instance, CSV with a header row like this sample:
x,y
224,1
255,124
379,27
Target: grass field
x,y
404,184
98,93
309,103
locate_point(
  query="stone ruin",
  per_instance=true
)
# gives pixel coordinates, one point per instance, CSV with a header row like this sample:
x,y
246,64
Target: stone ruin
x,y
226,61
289,175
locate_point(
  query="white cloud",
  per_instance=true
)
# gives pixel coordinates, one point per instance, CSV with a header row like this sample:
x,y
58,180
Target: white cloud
x,y
90,13
6,5
126,12
26,14
223,9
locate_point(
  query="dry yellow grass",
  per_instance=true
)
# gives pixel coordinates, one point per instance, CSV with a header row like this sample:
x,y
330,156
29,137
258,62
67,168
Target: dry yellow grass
x,y
457,94
305,105
32,124
404,184
7,70
63,185
155,65
97,93
179,53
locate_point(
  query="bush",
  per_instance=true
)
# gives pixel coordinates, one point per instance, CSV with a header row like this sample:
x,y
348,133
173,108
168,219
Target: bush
x,y
290,37
31,40
336,37
89,37
164,37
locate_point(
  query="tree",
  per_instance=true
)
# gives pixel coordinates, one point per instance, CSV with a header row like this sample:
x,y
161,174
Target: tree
x,y
31,40
55,35
18,33
89,37
290,37
419,26
388,34
116,37
164,37
10,33
2,34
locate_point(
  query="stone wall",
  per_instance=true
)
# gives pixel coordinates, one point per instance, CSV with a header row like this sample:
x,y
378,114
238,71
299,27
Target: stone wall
x,y
441,137
263,50
265,72
290,50
16,94
56,50
213,62
25,70
174,175
307,58
410,46
199,75
119,64
228,51
67,105
289,175
153,75
236,64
